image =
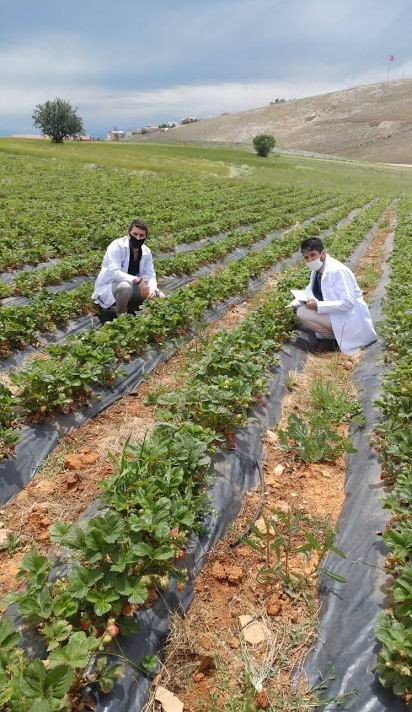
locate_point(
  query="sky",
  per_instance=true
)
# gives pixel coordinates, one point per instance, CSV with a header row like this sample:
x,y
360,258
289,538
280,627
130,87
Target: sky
x,y
129,63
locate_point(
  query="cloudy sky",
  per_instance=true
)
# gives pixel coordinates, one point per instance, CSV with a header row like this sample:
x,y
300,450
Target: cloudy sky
x,y
129,63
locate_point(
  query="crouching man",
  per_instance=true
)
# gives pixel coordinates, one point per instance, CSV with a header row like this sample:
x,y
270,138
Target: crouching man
x,y
127,275
332,305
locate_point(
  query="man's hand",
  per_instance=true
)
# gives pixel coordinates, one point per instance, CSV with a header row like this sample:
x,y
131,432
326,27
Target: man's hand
x,y
312,304
144,288
151,294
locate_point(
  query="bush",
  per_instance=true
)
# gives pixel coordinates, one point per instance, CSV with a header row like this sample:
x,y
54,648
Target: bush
x,y
263,144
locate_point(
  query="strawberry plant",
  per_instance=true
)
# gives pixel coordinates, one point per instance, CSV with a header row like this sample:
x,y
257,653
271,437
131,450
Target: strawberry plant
x,y
312,439
392,440
75,367
156,498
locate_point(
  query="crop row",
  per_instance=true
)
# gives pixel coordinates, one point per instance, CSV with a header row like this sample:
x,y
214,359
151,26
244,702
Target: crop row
x,y
22,325
71,370
58,218
26,283
123,556
394,441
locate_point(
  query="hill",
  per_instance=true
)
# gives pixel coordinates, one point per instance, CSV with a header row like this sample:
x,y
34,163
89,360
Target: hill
x,y
372,122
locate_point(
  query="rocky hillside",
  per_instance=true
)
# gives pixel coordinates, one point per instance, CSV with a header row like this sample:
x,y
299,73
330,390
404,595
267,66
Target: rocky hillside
x,y
372,122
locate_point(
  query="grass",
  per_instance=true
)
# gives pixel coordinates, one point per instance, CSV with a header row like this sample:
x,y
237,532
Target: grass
x,y
230,162
336,403
369,278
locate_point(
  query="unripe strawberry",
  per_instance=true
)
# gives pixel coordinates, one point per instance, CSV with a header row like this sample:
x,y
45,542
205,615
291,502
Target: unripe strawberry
x,y
113,629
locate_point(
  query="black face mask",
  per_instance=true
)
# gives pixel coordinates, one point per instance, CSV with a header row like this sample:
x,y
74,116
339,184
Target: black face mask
x,y
135,242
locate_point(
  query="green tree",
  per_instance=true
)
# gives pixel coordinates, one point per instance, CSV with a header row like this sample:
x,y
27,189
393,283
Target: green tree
x,y
263,144
58,120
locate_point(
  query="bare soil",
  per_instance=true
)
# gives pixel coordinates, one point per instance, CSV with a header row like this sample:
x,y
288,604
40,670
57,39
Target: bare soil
x,y
370,270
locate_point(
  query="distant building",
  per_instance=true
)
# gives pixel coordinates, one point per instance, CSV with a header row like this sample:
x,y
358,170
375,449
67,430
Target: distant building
x,y
150,129
115,135
37,136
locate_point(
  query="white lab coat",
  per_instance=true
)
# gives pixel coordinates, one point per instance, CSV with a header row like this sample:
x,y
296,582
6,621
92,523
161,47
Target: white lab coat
x,y
343,301
114,269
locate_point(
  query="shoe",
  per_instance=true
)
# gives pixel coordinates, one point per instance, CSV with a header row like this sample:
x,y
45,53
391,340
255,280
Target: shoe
x,y
106,315
322,346
299,342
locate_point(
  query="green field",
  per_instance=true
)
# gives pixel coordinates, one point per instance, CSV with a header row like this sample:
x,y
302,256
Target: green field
x,y
223,162
225,228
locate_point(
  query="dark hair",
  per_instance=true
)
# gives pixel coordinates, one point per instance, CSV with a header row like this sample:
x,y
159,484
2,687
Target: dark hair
x,y
141,224
311,243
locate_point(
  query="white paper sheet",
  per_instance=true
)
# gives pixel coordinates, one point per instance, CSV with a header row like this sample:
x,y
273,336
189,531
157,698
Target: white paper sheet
x,y
302,295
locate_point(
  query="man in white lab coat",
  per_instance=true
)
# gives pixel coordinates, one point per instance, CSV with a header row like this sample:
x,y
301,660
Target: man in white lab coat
x,y
127,275
333,305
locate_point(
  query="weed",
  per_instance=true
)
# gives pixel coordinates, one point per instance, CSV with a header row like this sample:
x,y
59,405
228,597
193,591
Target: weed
x,y
13,543
369,278
313,440
335,403
277,545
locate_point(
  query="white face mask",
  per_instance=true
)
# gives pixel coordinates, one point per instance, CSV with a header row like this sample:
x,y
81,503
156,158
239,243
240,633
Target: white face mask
x,y
315,265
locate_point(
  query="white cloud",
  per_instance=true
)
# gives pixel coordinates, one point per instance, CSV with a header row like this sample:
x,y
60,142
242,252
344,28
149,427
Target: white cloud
x,y
64,65
61,57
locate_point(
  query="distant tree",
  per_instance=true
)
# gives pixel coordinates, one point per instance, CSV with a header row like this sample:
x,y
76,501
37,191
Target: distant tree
x,y
189,120
58,120
263,144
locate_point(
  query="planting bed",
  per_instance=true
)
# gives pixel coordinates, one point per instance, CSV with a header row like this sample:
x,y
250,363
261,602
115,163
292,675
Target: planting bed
x,y
71,369
130,532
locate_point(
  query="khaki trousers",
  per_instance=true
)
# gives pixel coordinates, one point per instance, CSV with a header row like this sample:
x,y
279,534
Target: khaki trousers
x,y
319,323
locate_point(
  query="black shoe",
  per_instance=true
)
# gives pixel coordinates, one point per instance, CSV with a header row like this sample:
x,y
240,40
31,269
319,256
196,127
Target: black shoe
x,y
323,346
105,315
302,343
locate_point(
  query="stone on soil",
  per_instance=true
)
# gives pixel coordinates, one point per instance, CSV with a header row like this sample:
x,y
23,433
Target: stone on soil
x,y
234,574
169,701
283,507
274,606
254,632
218,571
4,538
